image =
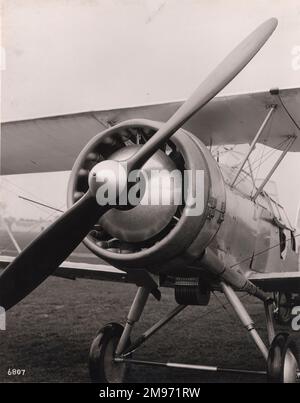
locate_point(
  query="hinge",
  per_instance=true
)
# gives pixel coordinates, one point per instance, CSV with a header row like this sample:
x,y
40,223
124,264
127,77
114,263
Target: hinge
x,y
222,213
212,208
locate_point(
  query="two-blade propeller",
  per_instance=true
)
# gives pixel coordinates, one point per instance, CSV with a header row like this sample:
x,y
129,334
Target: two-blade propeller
x,y
42,257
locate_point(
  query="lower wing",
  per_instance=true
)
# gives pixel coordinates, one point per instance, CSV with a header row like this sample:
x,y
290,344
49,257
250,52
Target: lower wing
x,y
74,270
273,282
270,282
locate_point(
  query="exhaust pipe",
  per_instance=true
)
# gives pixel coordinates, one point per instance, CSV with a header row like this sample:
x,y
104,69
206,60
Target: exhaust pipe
x,y
234,277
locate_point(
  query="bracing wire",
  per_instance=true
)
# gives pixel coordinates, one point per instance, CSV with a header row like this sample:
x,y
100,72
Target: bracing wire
x,y
265,250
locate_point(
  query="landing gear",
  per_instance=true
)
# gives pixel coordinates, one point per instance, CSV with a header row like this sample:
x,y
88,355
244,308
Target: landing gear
x,y
283,308
282,356
112,349
112,341
282,364
103,368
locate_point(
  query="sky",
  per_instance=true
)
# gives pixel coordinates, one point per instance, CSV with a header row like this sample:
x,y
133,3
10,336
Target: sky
x,y
66,56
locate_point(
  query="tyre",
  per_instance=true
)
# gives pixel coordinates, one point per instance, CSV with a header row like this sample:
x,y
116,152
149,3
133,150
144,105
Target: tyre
x,y
102,367
283,365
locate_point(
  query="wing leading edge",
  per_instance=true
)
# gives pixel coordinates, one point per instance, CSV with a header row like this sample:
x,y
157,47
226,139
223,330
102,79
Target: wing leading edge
x,y
73,270
101,272
273,282
269,282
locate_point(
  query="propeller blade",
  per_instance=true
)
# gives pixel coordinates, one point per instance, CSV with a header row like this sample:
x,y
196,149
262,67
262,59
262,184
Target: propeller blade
x,y
42,257
211,86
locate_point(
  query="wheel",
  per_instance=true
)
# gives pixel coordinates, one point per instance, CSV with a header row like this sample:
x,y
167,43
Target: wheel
x,y
283,314
282,365
103,368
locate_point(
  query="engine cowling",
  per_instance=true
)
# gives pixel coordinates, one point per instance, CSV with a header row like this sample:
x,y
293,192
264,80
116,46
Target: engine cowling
x,y
160,238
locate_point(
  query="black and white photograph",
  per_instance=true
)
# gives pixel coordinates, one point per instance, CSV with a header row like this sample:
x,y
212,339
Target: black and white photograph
x,y
150,194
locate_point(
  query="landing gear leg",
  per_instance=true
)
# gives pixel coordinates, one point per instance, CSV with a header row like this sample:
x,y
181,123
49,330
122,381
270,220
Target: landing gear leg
x,y
283,308
244,318
134,315
269,312
282,356
111,341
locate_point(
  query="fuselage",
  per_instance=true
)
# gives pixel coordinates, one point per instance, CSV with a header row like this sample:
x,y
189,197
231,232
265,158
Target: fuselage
x,y
255,235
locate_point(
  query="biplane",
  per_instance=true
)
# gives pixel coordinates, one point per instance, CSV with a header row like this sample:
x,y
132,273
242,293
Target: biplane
x,y
241,242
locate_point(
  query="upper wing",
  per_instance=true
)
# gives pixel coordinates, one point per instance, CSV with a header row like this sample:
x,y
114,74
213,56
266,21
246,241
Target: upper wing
x,y
53,143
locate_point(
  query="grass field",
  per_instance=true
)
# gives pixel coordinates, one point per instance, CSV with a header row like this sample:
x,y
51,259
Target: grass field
x,y
49,334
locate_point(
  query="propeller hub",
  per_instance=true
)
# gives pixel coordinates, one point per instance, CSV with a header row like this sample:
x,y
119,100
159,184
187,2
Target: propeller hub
x,y
155,209
107,181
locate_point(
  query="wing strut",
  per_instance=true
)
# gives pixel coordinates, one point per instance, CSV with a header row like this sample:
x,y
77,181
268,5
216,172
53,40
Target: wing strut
x,y
254,142
11,235
292,139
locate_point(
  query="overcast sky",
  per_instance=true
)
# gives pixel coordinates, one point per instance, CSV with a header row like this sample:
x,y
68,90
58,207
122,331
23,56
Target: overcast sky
x,y
66,56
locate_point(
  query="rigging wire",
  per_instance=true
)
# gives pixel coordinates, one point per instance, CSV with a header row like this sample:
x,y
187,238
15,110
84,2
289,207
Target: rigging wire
x,y
265,250
262,154
22,189
223,305
40,204
3,186
267,156
34,226
287,111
